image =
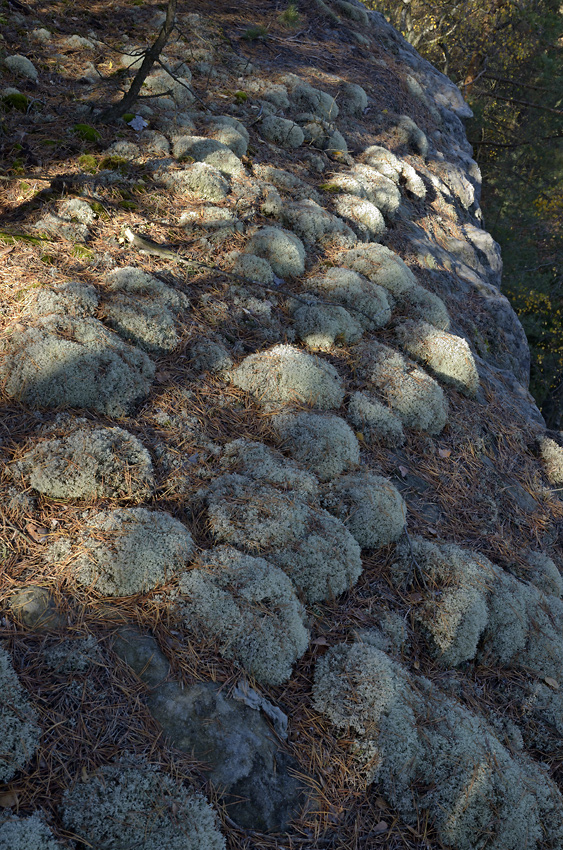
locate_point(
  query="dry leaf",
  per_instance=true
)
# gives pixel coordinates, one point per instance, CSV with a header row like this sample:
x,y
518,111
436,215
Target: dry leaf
x,y
6,251
84,774
321,641
415,597
444,452
36,534
551,682
404,471
416,664
380,827
8,800
162,376
381,803
360,437
432,531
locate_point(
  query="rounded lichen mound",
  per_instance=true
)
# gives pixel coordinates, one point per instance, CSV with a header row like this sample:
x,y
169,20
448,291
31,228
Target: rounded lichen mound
x,y
453,619
131,550
323,443
142,309
283,250
285,374
453,766
18,721
64,362
324,562
27,833
131,804
89,463
365,218
371,508
415,397
551,454
369,302
250,608
448,356
323,326
254,516
374,421
258,461
382,266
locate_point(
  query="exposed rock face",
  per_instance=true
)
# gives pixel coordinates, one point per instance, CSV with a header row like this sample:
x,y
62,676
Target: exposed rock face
x,y
297,475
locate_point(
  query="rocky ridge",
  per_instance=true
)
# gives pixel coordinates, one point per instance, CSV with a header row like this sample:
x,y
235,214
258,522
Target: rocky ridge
x,y
282,536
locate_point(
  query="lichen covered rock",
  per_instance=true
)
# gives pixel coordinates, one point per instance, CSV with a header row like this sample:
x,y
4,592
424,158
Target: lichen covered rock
x,y
368,303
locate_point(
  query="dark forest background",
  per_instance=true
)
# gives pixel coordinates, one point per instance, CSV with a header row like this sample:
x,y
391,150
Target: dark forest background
x,y
507,58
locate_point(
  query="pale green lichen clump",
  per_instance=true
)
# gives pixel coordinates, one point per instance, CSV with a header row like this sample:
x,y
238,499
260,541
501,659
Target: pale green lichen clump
x,y
374,421
551,454
491,798
283,250
324,562
131,550
89,463
131,804
448,356
413,395
285,374
250,608
258,461
31,833
454,612
314,548
323,443
64,362
371,508
19,731
369,303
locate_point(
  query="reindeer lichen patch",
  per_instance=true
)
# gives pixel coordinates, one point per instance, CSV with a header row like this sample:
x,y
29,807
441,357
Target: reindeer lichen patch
x,y
323,443
412,394
18,721
65,362
370,507
89,463
249,606
131,550
285,374
448,356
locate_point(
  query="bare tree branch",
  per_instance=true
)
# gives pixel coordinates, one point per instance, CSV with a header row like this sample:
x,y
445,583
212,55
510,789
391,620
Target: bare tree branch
x,y
152,55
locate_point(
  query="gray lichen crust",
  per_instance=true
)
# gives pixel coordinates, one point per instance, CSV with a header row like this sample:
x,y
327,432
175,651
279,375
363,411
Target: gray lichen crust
x,y
285,374
89,463
131,550
250,608
19,731
130,803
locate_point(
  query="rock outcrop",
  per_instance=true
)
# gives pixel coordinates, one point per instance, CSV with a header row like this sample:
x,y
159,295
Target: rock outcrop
x,y
282,531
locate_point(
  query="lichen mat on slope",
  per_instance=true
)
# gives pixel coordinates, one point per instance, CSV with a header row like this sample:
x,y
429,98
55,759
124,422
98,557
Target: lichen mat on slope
x,y
282,539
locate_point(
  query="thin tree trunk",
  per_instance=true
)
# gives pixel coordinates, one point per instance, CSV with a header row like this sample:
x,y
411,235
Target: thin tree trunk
x,y
113,113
